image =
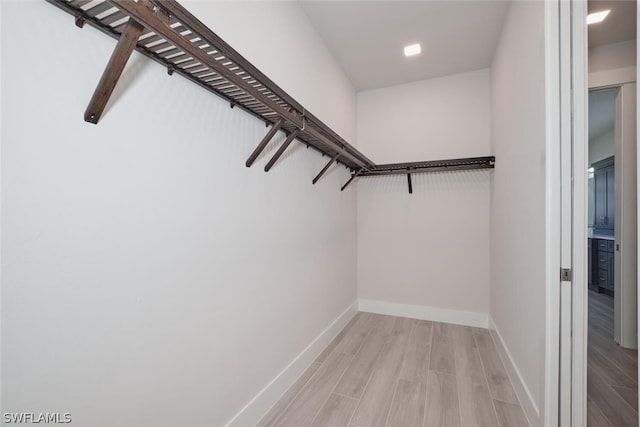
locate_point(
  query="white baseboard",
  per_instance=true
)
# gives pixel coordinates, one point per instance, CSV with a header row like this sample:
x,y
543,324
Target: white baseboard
x,y
524,395
253,411
458,317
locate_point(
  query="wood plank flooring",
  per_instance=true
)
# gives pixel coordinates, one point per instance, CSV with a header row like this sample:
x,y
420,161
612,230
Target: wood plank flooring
x,y
391,371
612,371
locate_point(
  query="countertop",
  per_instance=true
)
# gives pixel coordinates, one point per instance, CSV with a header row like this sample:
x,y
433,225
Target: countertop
x,y
602,236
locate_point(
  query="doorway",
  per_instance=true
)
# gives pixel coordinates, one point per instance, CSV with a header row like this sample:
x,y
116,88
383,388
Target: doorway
x,y
612,357
611,300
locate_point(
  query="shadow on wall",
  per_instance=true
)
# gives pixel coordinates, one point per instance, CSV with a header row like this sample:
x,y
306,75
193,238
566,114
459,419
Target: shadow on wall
x,y
136,64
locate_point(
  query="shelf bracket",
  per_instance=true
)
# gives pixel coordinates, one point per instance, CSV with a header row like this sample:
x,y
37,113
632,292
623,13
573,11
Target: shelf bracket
x,y
276,126
409,182
113,71
353,176
324,169
80,21
281,150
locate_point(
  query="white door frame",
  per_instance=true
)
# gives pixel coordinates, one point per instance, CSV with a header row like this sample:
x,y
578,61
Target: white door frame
x,y
579,162
566,57
552,213
625,292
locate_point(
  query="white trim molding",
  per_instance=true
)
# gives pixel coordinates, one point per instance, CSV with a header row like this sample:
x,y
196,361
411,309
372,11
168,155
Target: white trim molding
x,y
458,317
266,398
612,77
529,406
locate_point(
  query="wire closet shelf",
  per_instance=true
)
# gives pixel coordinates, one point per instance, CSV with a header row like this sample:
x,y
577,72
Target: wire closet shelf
x,y
166,32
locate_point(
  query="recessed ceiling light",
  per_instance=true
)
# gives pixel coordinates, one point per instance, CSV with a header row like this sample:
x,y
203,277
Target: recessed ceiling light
x,y
412,49
594,18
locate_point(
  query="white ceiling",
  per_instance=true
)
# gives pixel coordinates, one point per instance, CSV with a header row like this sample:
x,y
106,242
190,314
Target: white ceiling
x,y
367,37
620,24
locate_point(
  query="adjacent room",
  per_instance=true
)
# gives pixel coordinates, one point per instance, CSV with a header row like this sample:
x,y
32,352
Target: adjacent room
x,y
612,350
278,213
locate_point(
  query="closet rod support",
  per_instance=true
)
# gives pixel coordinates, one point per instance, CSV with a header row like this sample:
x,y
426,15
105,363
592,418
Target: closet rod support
x,y
281,150
270,134
354,176
324,169
113,71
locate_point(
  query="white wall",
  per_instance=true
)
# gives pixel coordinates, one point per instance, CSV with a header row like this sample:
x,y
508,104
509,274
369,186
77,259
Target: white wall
x,y
148,276
518,196
612,56
422,120
613,63
429,248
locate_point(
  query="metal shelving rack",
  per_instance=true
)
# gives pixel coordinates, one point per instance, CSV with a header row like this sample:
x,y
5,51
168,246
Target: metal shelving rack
x,y
166,32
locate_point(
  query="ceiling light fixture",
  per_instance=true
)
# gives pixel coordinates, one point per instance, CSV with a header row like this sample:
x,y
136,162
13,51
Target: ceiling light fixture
x,y
594,18
412,49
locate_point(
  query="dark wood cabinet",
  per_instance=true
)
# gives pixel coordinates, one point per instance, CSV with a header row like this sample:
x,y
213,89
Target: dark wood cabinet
x,y
602,265
611,267
601,253
605,196
591,283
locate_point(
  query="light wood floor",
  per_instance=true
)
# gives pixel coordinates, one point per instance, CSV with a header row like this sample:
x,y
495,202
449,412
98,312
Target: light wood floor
x,y
391,371
612,371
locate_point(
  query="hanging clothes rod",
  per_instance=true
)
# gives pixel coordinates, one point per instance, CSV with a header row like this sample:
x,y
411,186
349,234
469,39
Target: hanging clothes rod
x,y
469,163
166,32
433,166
